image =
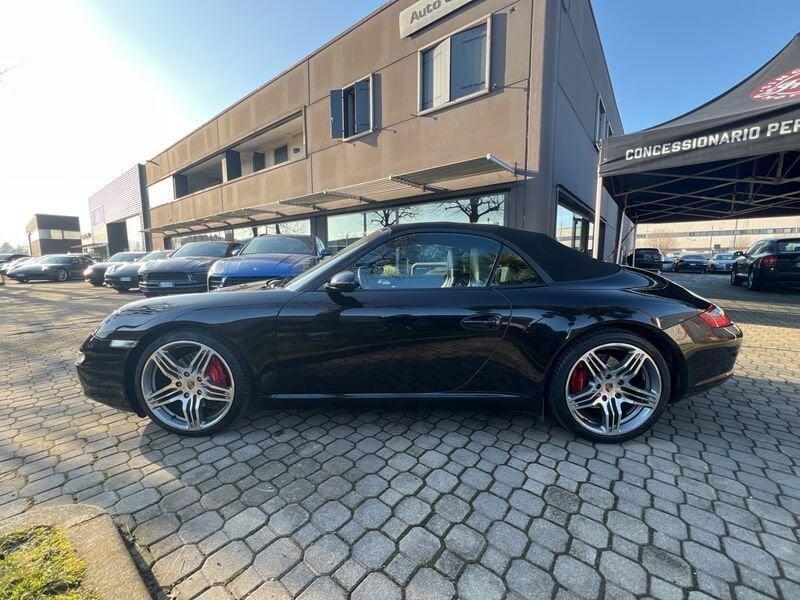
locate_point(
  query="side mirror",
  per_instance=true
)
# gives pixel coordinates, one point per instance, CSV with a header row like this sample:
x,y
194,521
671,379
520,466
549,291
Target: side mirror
x,y
236,251
325,252
342,282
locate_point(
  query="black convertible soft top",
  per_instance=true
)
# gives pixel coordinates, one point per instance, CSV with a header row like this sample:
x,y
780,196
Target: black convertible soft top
x,y
559,262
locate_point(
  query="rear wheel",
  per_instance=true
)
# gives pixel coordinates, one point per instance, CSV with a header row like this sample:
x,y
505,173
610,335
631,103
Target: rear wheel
x,y
192,384
753,282
735,279
62,275
610,386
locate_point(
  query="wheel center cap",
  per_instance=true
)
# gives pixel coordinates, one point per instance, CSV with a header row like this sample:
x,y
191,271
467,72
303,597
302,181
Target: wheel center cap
x,y
609,387
190,385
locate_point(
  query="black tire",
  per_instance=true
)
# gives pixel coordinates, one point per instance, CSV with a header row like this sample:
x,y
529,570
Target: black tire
x,y
753,283
555,391
735,279
122,290
62,275
242,379
95,284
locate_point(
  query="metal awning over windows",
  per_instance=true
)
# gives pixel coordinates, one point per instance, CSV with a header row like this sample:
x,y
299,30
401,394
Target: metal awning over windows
x,y
428,181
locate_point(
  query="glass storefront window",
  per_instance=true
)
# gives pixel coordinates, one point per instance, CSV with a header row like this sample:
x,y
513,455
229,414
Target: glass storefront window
x,y
301,227
343,230
574,229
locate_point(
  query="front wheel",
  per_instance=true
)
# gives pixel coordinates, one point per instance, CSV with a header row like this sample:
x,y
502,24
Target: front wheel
x,y
192,384
610,386
62,275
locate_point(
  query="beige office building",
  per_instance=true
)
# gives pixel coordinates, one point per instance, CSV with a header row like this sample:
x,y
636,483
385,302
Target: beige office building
x,y
714,236
457,110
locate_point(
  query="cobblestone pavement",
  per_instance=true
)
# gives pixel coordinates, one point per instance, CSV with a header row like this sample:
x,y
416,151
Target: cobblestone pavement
x,y
423,501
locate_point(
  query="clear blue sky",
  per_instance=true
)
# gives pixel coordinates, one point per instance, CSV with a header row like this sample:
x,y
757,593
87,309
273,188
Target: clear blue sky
x,y
666,56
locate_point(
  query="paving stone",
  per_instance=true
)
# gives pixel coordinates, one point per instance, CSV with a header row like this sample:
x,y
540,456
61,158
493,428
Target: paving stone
x,y
465,542
326,554
429,584
373,549
227,562
624,572
477,583
377,585
419,545
277,558
577,577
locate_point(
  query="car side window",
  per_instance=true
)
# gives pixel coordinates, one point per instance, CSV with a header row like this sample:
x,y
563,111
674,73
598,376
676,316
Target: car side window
x,y
513,271
428,261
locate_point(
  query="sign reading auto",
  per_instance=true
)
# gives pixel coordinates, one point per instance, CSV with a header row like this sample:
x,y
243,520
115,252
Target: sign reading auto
x,y
423,13
782,87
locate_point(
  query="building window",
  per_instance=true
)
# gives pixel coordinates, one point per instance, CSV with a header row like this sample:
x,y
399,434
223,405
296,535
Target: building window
x,y
345,229
352,110
161,192
574,226
455,68
601,126
281,154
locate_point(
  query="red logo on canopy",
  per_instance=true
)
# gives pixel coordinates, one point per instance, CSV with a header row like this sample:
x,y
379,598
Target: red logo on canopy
x,y
782,87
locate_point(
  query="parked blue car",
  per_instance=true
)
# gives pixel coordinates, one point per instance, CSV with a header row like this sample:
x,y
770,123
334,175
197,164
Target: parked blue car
x,y
270,256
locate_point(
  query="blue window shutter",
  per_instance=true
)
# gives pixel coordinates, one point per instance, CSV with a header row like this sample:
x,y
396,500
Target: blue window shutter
x,y
363,106
337,126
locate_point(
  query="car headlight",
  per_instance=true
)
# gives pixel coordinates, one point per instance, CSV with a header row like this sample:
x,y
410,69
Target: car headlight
x,y
217,267
88,271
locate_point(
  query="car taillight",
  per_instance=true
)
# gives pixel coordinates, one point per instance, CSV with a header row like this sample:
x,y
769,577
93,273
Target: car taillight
x,y
716,317
769,261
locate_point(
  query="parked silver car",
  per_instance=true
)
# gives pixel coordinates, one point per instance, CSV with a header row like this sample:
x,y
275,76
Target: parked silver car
x,y
722,263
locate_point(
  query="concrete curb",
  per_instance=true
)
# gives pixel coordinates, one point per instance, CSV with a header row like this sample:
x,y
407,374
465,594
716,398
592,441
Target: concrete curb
x,y
110,571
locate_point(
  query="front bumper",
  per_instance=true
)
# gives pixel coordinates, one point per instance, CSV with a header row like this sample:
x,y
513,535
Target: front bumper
x,y
95,278
101,372
121,282
220,281
181,283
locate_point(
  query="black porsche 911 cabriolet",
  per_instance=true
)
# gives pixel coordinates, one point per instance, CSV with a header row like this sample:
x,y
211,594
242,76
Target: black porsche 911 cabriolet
x,y
437,311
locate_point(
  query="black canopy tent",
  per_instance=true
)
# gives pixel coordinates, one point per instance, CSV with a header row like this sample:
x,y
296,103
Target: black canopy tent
x,y
735,156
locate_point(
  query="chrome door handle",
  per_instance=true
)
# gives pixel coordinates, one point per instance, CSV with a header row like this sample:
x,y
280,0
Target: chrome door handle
x,y
485,322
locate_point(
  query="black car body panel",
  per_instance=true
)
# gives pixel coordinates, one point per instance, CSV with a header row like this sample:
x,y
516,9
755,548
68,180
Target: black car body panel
x,y
95,274
691,264
47,268
773,261
306,340
646,258
183,274
125,276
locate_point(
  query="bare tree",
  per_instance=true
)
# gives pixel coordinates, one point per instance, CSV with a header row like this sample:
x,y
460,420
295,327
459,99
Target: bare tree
x,y
386,217
476,206
662,240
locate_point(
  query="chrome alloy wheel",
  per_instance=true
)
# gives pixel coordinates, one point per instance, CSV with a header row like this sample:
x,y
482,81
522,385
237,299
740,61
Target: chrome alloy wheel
x,y
613,389
187,385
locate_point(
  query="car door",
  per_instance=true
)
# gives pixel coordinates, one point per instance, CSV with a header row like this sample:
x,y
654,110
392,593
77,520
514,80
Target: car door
x,y
743,263
422,319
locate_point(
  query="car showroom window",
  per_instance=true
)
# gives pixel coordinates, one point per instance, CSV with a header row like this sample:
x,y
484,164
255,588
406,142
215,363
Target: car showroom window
x,y
454,68
428,261
513,271
352,109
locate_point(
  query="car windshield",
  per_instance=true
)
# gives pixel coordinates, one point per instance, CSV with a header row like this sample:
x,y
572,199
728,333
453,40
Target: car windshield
x,y
56,260
278,244
694,257
788,245
724,257
202,249
124,257
340,259
155,255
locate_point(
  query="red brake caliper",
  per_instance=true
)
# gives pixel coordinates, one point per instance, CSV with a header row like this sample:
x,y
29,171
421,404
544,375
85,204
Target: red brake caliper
x,y
578,380
216,373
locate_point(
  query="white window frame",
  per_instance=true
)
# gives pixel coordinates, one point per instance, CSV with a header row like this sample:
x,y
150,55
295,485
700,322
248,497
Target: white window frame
x,y
487,20
371,77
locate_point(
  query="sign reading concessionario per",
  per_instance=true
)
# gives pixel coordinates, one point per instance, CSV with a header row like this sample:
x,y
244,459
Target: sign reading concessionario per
x,y
423,13
759,116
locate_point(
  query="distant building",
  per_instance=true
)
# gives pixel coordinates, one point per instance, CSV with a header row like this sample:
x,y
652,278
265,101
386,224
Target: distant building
x,y
714,236
118,215
53,234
